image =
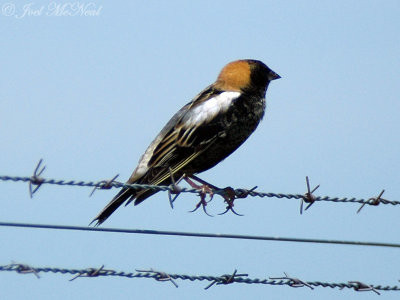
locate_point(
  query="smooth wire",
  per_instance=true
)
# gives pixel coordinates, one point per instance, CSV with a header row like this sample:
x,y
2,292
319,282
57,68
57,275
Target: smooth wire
x,y
200,235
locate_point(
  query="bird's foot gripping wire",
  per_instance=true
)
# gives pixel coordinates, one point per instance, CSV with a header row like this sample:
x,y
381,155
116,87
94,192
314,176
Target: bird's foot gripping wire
x,y
229,195
204,188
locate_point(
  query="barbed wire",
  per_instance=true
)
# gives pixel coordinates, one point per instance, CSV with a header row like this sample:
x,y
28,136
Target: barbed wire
x,y
228,192
214,280
199,234
93,184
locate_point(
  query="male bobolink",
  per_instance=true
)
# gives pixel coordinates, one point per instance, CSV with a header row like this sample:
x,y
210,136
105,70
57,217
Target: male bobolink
x,y
203,132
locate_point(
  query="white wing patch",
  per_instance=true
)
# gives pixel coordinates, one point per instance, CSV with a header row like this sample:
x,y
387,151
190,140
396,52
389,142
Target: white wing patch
x,y
201,114
209,109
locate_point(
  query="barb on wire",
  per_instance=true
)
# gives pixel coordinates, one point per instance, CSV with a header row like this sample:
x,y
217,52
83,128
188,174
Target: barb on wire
x,y
226,279
372,201
293,281
239,192
159,276
105,185
174,189
362,287
308,196
22,269
36,179
91,272
217,280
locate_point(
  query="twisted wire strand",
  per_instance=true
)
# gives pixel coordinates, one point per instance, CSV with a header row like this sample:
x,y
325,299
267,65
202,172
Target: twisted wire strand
x,y
239,192
224,279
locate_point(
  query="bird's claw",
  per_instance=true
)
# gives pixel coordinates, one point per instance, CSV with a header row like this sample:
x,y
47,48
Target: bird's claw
x,y
204,189
229,196
203,202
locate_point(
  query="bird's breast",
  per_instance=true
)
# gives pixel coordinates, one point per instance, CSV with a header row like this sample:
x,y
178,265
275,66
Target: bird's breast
x,y
230,129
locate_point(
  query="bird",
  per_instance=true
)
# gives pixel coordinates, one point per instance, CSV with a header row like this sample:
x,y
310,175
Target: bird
x,y
203,132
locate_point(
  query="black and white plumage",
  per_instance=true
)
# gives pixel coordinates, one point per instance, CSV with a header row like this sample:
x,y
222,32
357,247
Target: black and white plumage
x,y
202,133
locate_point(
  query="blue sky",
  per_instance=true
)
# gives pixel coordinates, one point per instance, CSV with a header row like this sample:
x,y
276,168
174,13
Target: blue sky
x,y
89,93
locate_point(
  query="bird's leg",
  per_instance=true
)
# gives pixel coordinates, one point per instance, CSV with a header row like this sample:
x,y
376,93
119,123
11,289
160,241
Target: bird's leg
x,y
204,189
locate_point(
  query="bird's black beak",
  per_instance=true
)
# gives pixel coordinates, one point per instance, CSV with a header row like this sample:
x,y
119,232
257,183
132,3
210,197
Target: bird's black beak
x,y
272,75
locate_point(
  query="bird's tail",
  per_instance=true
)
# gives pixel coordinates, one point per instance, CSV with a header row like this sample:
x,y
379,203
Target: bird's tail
x,y
116,202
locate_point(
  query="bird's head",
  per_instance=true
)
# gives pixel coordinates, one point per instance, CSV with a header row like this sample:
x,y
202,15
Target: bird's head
x,y
247,75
